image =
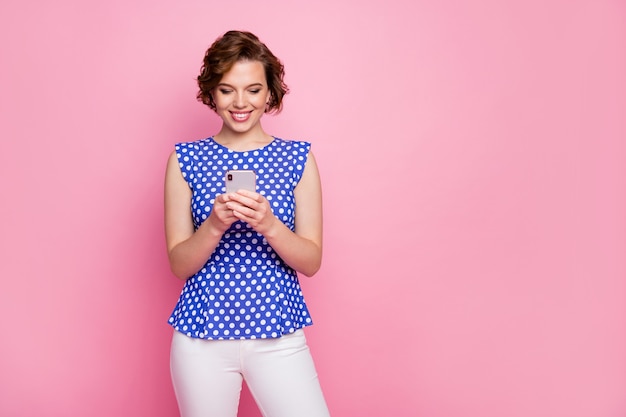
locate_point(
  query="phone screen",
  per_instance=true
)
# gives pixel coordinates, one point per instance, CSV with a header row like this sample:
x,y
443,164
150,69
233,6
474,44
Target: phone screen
x,y
240,179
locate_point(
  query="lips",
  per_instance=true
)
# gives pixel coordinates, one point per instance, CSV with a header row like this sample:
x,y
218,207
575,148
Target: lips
x,y
240,116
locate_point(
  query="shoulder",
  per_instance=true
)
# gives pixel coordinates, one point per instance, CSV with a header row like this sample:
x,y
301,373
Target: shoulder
x,y
196,144
292,144
187,155
189,152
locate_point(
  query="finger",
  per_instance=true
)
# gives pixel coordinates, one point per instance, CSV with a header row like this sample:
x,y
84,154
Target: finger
x,y
241,206
223,198
246,197
243,212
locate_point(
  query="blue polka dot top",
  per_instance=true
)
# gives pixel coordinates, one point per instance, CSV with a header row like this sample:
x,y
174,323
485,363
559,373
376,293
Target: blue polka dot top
x,y
245,290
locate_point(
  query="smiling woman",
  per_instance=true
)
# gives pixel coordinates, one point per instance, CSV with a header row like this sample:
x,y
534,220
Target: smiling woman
x,y
474,199
235,47
241,98
241,313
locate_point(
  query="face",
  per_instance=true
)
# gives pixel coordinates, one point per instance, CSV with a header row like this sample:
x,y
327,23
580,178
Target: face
x,y
241,96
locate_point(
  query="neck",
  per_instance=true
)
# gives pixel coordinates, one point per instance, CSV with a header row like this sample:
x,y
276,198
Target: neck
x,y
242,141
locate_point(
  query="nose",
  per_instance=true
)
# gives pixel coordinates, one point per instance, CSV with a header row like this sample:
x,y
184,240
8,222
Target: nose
x,y
239,101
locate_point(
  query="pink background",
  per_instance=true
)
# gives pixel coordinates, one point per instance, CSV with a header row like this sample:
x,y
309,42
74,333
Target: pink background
x,y
473,157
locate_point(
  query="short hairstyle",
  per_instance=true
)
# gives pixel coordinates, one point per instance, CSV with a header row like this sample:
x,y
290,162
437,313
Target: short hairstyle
x,y
235,46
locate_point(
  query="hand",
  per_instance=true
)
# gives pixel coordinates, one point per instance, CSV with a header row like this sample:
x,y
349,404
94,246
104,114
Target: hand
x,y
221,215
251,208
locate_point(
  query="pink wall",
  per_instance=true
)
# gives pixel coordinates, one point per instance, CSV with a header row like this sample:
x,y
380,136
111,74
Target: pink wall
x,y
474,163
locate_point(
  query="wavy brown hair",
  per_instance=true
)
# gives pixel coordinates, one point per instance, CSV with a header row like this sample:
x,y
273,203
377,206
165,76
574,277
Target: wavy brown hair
x,y
235,46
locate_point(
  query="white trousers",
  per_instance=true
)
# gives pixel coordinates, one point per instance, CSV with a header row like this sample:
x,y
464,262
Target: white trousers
x,y
207,376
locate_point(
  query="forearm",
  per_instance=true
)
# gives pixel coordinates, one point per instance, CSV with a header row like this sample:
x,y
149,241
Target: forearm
x,y
301,254
189,256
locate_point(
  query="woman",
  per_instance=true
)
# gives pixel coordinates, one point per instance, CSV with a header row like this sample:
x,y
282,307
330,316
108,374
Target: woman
x,y
241,312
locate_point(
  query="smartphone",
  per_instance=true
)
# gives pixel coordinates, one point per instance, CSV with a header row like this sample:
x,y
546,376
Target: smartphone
x,y
240,179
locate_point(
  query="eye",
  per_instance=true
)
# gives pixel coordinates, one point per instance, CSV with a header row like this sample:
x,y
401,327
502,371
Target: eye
x,y
225,91
255,91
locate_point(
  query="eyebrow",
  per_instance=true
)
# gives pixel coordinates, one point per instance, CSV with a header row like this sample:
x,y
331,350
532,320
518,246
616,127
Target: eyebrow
x,y
230,86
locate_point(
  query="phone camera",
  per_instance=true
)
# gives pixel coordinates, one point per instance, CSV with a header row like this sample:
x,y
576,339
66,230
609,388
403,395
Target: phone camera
x,y
230,177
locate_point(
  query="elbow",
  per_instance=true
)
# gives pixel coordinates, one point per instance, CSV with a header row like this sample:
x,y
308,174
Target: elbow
x,y
314,264
312,269
178,270
177,264
181,275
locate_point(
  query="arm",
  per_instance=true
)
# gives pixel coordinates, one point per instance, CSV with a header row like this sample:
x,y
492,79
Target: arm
x,y
302,249
187,250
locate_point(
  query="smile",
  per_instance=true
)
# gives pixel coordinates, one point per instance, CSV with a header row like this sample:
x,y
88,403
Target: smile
x,y
241,117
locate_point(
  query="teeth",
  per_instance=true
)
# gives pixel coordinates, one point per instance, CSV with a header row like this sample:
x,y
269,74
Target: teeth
x,y
240,115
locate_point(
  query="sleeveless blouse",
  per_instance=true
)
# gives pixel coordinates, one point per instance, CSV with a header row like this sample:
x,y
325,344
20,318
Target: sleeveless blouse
x,y
245,290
